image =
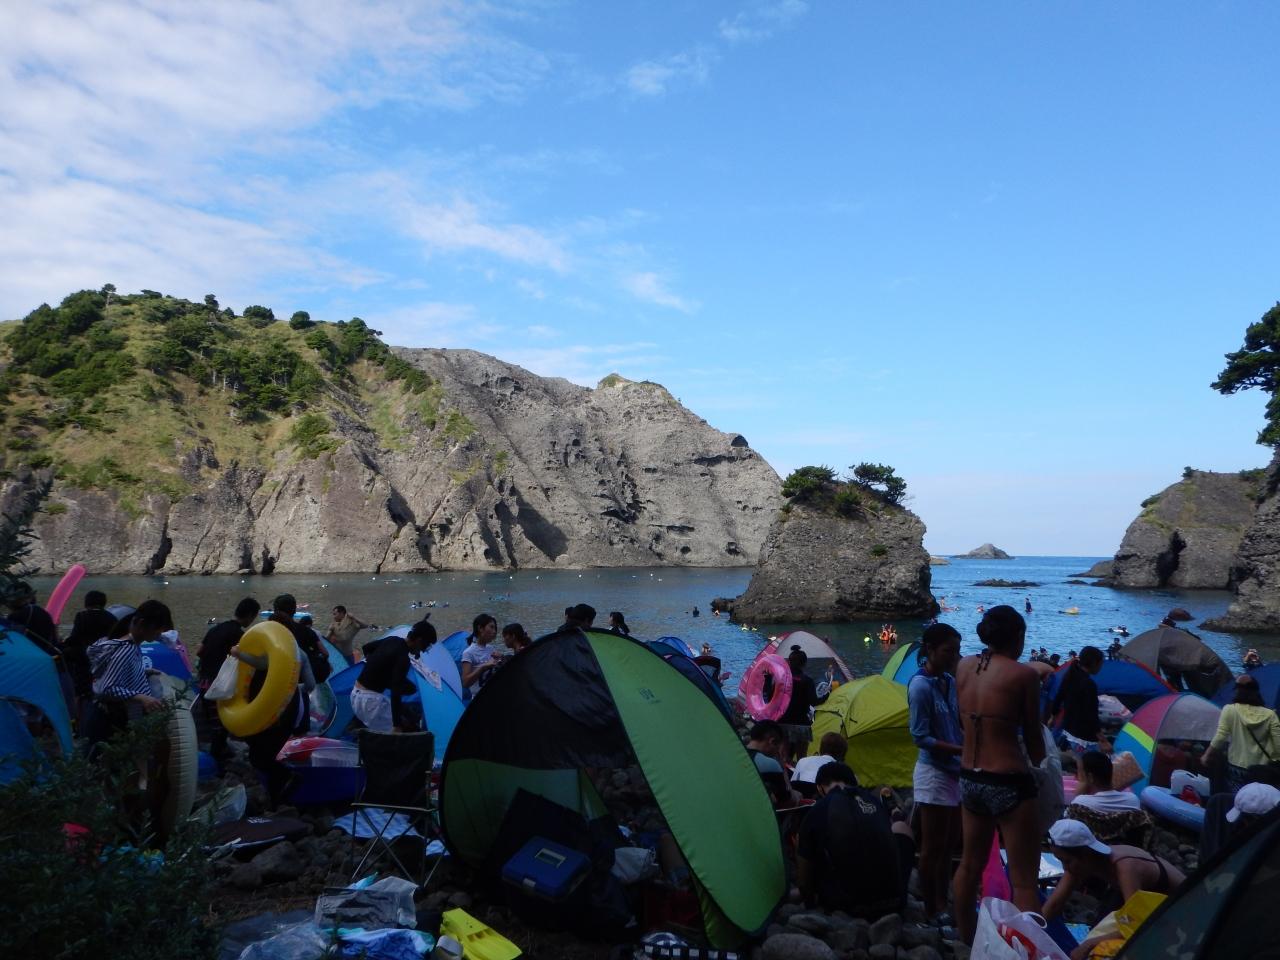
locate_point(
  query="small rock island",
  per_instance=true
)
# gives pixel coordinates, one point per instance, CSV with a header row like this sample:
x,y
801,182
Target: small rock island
x,y
839,551
988,551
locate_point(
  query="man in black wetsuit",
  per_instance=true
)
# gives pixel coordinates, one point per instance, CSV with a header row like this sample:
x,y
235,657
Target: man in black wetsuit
x,y
375,699
212,654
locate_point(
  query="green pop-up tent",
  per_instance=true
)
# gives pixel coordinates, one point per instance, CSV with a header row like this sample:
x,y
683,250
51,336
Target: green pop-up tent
x,y
576,700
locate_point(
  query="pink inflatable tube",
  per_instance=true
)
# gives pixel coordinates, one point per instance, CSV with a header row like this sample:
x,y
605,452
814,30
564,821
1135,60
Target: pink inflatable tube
x,y
62,592
752,687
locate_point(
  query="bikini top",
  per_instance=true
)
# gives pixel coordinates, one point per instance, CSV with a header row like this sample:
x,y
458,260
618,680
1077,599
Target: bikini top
x,y
1162,884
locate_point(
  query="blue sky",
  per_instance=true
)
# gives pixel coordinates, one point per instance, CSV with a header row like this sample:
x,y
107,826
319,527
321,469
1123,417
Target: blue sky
x,y
1000,246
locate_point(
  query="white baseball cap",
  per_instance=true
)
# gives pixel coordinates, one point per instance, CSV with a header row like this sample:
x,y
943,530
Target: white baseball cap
x,y
1070,834
1254,799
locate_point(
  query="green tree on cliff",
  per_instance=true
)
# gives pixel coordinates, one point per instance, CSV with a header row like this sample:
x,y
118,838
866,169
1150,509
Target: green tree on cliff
x,y
1257,364
879,477
807,482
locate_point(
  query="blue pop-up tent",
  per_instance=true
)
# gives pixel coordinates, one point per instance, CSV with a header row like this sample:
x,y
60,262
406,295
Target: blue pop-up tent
x,y
28,678
684,663
455,643
1268,679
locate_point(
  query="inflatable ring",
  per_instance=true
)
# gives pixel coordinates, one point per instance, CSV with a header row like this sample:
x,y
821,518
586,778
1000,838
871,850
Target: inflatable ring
x,y
752,687
244,717
180,757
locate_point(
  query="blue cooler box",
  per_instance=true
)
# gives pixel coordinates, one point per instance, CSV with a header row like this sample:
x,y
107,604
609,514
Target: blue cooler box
x,y
546,869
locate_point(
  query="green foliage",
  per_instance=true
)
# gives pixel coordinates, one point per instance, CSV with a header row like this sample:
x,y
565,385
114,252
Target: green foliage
x,y
115,891
105,473
301,320
879,550
848,501
877,476
457,427
211,302
56,509
500,461
1151,501
259,316
70,348
310,433
1257,364
320,341
807,482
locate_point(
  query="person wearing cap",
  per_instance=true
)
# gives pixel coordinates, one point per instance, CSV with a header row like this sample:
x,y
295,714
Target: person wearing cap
x,y
376,696
1124,869
1251,729
1253,801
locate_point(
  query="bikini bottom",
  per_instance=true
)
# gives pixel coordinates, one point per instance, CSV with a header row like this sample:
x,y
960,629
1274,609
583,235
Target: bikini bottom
x,y
991,794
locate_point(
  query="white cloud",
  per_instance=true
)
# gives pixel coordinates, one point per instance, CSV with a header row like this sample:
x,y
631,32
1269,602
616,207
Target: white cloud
x,y
458,226
128,126
432,324
652,78
649,287
540,332
761,20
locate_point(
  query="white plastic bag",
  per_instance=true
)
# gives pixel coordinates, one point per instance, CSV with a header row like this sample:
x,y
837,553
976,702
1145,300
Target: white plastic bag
x,y
633,864
998,917
224,684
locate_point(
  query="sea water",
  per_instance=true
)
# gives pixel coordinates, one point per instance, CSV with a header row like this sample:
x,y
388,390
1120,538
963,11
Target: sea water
x,y
660,602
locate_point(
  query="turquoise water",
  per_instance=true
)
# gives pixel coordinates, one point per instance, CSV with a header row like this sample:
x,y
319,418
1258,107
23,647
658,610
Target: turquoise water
x,y
659,602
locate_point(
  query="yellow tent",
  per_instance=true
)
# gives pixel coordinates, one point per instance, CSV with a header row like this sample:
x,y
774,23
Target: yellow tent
x,y
872,714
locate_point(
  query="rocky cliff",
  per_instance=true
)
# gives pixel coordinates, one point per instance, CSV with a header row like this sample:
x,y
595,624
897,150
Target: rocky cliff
x,y
1188,534
1255,570
490,467
818,565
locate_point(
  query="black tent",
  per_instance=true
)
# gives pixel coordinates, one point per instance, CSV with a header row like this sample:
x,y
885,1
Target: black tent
x,y
1226,910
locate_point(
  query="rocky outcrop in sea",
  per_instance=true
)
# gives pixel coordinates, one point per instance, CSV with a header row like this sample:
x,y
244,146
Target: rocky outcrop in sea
x,y
818,565
988,551
526,472
1187,536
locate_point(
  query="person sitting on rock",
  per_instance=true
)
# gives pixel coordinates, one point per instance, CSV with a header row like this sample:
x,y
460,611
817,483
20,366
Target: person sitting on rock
x,y
831,749
1124,869
765,742
851,855
1113,815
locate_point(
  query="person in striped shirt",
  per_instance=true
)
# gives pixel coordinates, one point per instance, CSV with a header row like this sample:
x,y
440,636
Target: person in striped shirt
x,y
121,689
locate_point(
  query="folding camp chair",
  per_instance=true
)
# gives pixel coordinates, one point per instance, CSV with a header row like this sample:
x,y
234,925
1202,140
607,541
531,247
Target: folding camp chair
x,y
398,781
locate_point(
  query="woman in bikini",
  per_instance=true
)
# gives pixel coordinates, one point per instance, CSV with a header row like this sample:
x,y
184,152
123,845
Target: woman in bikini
x,y
1124,869
999,711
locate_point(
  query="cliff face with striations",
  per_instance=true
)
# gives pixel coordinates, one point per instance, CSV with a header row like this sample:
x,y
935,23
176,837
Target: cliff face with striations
x,y
1187,535
522,472
820,566
1255,571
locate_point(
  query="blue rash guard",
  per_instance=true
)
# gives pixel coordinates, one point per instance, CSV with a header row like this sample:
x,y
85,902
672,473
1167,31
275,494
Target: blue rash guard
x,y
935,715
